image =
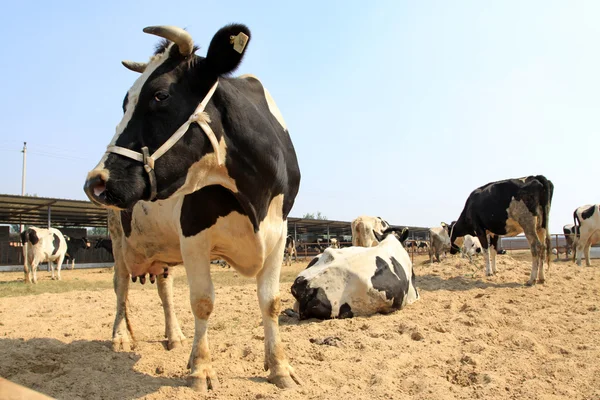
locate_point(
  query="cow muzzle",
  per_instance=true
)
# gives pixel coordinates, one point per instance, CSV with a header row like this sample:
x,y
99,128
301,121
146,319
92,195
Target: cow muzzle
x,y
95,186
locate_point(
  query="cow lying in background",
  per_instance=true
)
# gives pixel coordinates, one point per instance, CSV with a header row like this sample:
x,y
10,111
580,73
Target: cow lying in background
x,y
334,244
440,241
290,250
353,281
587,227
422,245
508,208
73,247
470,247
364,229
42,245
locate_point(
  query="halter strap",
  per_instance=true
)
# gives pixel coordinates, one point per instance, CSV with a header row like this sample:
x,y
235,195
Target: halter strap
x,y
198,116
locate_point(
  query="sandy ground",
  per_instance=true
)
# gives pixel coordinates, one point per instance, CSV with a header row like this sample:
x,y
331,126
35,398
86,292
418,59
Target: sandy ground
x,y
468,337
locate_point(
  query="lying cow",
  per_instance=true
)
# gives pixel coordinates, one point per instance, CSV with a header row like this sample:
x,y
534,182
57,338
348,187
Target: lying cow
x,y
290,250
334,244
587,227
42,245
422,245
470,247
364,229
570,232
353,281
73,247
217,150
508,208
439,237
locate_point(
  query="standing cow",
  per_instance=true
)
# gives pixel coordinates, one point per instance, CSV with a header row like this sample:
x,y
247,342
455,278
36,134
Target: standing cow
x,y
357,281
587,227
218,148
290,250
363,229
440,241
508,208
570,232
42,245
73,247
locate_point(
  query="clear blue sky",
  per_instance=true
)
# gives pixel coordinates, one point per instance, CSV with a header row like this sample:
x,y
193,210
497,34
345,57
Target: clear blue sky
x,y
397,109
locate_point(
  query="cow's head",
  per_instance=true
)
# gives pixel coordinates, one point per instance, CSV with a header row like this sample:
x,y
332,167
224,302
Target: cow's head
x,y
161,102
400,233
456,239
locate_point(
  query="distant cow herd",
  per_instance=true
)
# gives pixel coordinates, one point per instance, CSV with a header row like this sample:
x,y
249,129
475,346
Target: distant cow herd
x,y
202,168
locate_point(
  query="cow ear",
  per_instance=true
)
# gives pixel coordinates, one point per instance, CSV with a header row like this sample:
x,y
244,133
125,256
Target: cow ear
x,y
378,236
227,48
403,235
443,224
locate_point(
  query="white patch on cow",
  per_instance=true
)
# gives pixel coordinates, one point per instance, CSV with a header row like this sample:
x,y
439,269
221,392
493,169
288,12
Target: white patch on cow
x,y
133,96
589,233
270,102
345,276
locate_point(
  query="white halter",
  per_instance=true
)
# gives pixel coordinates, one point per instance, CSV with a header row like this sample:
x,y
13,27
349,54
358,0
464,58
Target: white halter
x,y
198,116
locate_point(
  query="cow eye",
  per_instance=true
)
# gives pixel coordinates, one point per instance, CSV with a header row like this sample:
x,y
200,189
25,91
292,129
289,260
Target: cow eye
x,y
161,96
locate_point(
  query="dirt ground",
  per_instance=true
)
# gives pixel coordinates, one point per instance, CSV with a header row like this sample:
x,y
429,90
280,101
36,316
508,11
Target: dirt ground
x,y
467,337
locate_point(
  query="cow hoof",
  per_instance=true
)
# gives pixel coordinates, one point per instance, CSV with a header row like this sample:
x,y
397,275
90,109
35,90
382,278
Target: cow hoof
x,y
122,345
206,381
530,283
175,344
542,281
285,381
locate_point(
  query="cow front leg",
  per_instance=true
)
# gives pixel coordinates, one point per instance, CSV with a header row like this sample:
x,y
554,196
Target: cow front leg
x,y
34,266
202,296
172,330
122,337
26,271
281,372
493,252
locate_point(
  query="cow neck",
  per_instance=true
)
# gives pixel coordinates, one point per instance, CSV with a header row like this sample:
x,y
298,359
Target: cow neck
x,y
198,116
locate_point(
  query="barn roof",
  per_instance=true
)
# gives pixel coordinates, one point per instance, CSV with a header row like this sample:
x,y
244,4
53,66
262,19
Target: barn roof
x,y
30,210
34,211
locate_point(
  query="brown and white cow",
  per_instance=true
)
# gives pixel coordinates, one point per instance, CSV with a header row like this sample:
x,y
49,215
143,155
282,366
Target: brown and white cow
x,y
587,224
218,150
363,228
439,236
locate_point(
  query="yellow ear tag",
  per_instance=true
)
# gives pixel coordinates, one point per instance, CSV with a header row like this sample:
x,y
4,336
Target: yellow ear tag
x,y
239,42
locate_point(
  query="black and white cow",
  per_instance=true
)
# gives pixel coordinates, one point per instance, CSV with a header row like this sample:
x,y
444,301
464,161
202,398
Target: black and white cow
x,y
357,281
470,247
422,245
587,227
363,229
42,245
105,244
290,250
217,151
73,247
570,232
508,208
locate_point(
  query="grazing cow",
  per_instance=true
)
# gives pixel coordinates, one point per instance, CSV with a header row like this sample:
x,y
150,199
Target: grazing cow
x,y
342,283
570,232
73,247
218,151
508,208
105,244
363,228
587,227
470,247
439,237
42,245
290,250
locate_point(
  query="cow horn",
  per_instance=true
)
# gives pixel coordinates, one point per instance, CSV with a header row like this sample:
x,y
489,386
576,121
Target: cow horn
x,y
176,35
134,66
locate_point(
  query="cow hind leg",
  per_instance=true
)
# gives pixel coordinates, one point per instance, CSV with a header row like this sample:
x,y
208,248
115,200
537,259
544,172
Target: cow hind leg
x,y
281,372
173,332
586,252
536,252
59,266
545,243
26,271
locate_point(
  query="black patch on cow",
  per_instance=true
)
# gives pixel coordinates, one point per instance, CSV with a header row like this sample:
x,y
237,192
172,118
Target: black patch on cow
x,y
384,280
345,311
313,301
201,209
33,237
403,280
55,243
126,216
587,213
312,262
125,101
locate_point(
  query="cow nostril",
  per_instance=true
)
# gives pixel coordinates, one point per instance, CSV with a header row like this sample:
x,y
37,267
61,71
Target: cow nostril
x,y
96,185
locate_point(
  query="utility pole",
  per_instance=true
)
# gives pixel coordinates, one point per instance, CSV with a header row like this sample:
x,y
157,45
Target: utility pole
x,y
24,151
